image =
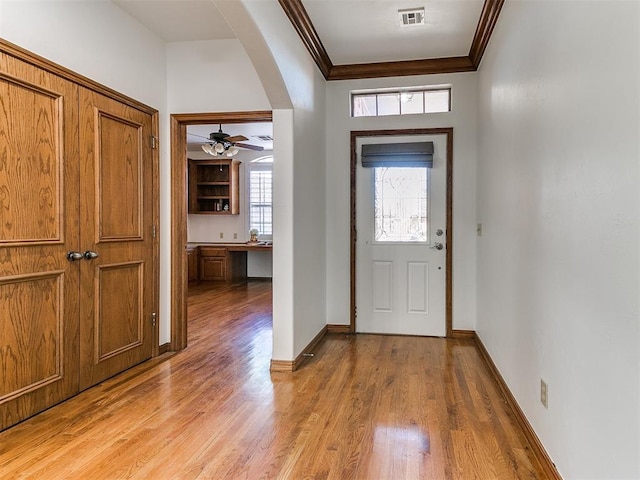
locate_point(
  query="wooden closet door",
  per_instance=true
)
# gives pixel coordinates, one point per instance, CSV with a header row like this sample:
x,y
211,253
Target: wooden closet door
x,y
116,218
38,225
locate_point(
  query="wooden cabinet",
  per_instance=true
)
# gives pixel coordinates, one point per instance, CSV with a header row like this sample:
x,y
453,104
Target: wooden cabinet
x,y
77,261
214,186
222,262
213,264
192,264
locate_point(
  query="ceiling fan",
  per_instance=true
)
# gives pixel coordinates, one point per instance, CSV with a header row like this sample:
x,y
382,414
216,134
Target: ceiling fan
x,y
220,143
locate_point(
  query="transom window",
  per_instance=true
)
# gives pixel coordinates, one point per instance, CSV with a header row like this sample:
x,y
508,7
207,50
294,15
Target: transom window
x,y
400,102
401,204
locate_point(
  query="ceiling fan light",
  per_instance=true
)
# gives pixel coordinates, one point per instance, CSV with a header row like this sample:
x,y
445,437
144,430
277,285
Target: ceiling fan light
x,y
232,151
219,148
207,148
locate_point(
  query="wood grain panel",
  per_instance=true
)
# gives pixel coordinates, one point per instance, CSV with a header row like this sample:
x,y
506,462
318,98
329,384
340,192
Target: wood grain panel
x,y
30,155
119,170
117,330
39,206
31,332
40,176
213,269
118,322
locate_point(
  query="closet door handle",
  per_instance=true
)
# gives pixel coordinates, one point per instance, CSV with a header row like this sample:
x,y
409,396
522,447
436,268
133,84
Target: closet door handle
x,y
74,256
90,255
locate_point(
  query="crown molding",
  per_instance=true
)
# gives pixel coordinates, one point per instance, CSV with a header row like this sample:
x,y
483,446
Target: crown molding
x,y
488,19
301,21
403,68
299,18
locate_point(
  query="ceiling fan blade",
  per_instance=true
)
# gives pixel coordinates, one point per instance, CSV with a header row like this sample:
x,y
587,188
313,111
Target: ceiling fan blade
x,y
237,138
250,147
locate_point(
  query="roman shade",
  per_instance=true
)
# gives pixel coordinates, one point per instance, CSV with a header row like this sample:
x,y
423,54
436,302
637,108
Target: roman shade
x,y
417,154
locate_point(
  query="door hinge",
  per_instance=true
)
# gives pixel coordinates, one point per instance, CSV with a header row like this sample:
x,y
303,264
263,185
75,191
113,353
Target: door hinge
x,y
154,232
154,142
153,319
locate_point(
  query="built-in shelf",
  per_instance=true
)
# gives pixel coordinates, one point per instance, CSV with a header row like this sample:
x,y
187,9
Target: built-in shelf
x,y
214,187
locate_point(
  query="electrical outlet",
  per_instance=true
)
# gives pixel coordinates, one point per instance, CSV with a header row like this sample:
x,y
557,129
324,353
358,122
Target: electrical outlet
x,y
479,229
235,236
221,235
544,393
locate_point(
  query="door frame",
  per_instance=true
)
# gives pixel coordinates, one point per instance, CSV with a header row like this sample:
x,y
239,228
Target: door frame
x,y
179,192
448,132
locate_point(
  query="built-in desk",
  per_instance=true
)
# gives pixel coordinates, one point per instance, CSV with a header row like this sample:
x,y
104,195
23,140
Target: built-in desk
x,y
221,262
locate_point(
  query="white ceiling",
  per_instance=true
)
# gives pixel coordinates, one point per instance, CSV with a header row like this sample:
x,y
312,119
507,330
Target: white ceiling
x,y
364,31
352,31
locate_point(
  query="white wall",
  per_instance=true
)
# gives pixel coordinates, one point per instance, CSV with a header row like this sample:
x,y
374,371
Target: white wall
x,y
339,125
299,187
212,76
67,33
558,264
81,36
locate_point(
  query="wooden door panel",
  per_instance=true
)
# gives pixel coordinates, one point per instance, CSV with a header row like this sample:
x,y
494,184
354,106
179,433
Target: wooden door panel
x,y
213,269
115,337
39,207
116,329
33,349
31,130
120,177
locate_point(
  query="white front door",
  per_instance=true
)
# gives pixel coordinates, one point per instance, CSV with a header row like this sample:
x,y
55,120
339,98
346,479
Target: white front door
x,y
400,222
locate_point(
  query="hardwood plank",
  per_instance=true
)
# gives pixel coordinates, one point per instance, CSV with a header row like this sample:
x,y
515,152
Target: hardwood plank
x,y
364,407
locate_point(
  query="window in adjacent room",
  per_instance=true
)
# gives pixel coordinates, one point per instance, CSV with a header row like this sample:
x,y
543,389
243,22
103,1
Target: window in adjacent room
x,y
261,196
400,102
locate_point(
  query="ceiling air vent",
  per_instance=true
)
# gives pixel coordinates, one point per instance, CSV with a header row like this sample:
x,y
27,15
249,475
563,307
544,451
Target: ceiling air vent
x,y
411,16
264,138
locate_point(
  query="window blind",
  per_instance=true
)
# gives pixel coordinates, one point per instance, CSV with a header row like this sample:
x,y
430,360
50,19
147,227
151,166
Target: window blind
x,y
416,154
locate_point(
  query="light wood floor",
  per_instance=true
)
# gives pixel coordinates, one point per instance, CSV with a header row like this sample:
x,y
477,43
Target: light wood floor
x,y
364,407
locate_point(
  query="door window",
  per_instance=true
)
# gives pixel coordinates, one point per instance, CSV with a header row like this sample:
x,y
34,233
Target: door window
x,y
401,201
